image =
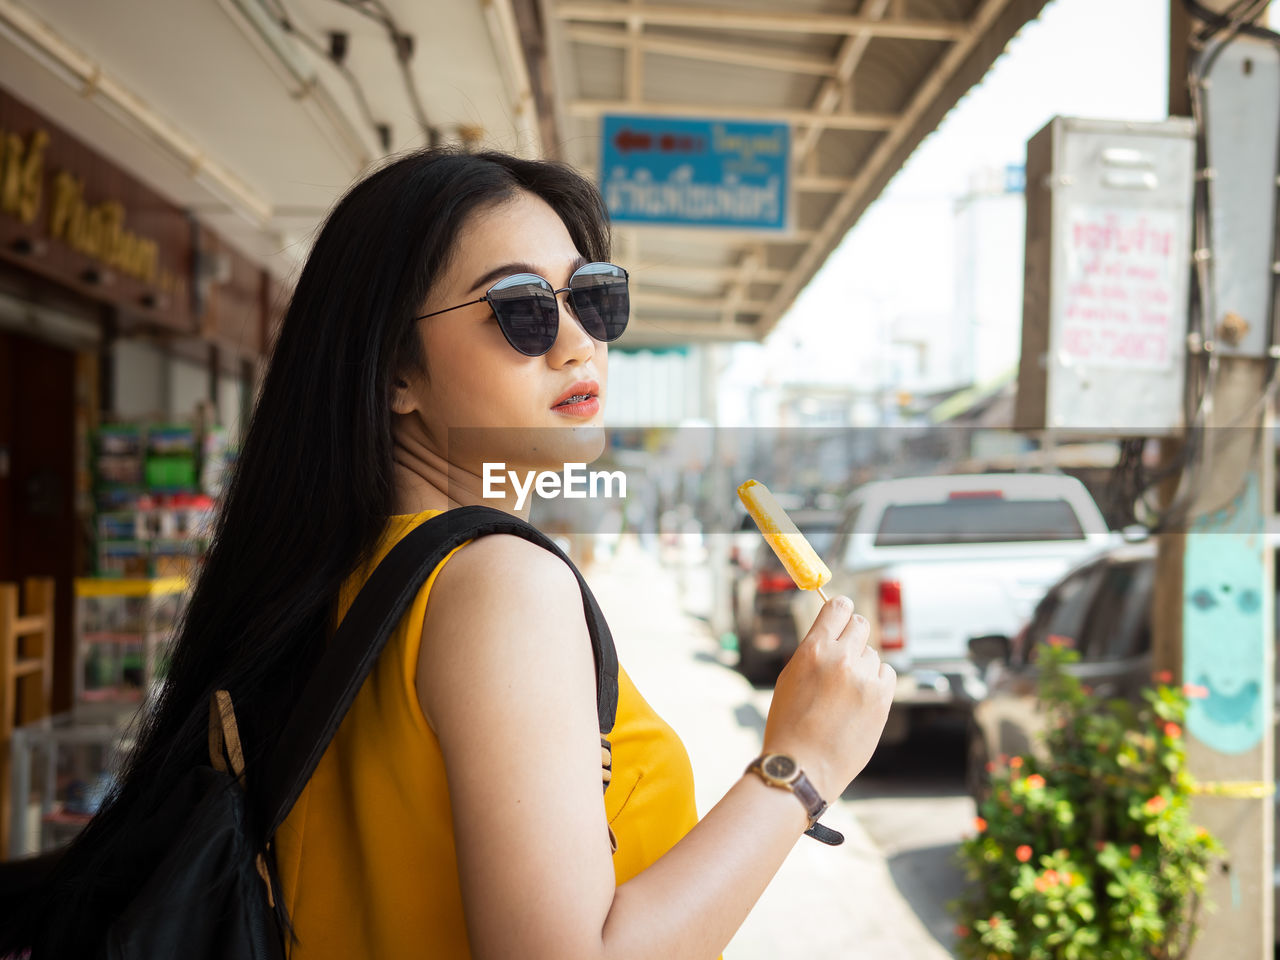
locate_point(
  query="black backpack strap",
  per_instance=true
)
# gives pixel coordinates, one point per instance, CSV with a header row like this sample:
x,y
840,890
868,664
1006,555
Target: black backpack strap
x,y
386,596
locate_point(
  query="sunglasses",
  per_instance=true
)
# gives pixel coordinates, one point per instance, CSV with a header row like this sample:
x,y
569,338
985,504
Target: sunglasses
x,y
529,316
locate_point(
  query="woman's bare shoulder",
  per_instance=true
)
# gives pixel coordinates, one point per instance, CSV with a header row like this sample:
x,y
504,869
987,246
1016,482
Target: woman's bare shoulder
x,y
502,566
500,607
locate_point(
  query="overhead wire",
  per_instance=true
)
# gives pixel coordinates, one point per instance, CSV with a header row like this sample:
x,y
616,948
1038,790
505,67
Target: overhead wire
x,y
277,10
1206,47
401,45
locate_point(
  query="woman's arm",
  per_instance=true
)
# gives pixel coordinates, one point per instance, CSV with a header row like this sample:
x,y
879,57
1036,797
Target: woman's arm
x,y
506,679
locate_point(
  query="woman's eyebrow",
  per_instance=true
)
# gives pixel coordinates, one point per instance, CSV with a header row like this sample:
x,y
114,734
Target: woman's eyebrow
x,y
507,269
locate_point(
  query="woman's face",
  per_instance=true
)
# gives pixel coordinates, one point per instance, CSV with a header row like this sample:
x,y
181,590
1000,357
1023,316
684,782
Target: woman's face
x,y
483,401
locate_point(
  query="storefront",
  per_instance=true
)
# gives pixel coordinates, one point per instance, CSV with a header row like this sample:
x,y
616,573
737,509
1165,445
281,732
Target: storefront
x,y
116,307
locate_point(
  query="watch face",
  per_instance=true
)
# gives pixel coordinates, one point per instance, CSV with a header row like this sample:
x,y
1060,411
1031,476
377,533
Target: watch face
x,y
779,767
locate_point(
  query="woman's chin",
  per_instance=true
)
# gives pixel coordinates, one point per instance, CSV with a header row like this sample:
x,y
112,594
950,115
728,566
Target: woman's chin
x,y
552,448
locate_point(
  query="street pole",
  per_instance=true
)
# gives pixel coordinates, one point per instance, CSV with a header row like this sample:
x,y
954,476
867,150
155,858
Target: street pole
x,y
1213,616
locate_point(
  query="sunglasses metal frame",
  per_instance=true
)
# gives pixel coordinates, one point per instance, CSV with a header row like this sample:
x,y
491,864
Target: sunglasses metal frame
x,y
554,293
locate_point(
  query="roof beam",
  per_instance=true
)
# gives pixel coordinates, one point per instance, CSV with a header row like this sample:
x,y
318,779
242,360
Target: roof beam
x,y
839,88
642,332
716,236
635,57
820,184
836,121
642,299
736,18
698,50
873,172
752,260
759,274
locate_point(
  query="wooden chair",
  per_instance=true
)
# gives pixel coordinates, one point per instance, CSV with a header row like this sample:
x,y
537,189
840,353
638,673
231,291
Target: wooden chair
x,y
26,674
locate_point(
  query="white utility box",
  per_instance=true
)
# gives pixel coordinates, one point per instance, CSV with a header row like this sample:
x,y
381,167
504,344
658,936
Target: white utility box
x,y
1107,277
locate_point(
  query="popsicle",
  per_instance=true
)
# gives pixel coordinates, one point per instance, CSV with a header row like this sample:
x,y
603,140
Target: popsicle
x,y
800,559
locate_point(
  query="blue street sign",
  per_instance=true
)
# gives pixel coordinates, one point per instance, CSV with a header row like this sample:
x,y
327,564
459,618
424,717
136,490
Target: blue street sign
x,y
1015,178
707,173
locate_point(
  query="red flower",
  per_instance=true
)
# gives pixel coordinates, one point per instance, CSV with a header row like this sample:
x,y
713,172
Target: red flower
x,y
1015,763
979,824
1042,883
993,922
1135,851
1017,811
1156,804
1163,676
1195,691
1052,877
1172,730
961,930
1023,853
1100,845
1035,781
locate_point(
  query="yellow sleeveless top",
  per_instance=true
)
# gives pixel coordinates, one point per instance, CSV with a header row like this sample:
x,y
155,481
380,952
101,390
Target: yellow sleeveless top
x,y
366,857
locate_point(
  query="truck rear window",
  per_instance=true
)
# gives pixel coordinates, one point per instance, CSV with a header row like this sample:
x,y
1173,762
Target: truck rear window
x,y
978,520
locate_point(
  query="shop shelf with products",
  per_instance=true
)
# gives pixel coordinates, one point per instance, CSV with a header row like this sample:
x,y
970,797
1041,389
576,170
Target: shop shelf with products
x,y
153,521
62,768
123,626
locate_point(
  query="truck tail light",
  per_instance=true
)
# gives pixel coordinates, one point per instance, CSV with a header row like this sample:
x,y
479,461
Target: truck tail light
x,y
769,581
890,615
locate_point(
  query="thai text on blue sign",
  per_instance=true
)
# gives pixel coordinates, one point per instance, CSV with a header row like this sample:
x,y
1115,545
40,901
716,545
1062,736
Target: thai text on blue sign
x,y
709,173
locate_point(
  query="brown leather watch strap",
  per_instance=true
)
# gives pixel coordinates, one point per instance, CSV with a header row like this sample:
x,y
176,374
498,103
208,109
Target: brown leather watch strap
x,y
802,787
814,805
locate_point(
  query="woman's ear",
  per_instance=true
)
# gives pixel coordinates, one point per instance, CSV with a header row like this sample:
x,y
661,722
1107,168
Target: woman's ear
x,y
404,398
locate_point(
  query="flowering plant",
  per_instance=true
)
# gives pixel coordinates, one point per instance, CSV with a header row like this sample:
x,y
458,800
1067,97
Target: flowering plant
x,y
1089,852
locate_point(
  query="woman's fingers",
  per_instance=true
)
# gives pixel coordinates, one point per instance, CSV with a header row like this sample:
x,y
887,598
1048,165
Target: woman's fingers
x,y
855,635
832,620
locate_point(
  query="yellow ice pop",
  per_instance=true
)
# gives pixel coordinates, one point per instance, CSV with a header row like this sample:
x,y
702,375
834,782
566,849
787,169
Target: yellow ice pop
x,y
800,559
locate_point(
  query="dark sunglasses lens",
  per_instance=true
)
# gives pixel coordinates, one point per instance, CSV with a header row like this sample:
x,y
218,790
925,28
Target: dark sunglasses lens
x,y
599,295
527,313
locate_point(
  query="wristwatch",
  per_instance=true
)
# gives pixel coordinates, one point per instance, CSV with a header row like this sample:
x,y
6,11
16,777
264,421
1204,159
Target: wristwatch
x,y
782,771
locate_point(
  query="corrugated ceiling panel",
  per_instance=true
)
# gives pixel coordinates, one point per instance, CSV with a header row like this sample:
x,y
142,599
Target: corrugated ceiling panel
x,y
841,153
670,79
891,70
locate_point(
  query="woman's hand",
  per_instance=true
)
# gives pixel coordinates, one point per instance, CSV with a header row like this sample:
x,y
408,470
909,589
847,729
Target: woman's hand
x,y
831,700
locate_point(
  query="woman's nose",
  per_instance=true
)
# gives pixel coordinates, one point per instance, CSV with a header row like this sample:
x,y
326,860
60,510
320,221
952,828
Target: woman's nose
x,y
572,340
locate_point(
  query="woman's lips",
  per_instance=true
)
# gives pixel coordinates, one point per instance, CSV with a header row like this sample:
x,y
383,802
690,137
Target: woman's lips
x,y
585,407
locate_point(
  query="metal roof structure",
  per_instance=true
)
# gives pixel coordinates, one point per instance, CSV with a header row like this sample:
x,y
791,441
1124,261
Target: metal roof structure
x,y
245,112
861,82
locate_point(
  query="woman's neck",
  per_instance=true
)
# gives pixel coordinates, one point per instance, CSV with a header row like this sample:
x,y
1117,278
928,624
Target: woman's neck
x,y
425,480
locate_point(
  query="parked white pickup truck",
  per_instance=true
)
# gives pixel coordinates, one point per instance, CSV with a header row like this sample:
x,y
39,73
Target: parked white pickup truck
x,y
934,561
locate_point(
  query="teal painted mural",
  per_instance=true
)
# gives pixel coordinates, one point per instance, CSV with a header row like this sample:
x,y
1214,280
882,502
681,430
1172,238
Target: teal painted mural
x,y
1226,606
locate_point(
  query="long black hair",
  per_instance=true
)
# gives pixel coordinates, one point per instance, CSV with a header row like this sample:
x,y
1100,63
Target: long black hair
x,y
311,494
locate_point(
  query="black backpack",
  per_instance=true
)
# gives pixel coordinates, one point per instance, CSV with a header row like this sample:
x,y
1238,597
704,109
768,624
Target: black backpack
x,y
212,895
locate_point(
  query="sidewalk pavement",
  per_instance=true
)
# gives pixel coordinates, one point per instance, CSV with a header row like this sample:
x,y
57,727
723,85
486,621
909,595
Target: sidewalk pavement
x,y
825,902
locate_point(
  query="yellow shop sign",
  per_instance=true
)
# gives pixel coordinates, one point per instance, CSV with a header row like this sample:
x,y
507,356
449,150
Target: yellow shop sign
x,y
21,166
99,232
96,230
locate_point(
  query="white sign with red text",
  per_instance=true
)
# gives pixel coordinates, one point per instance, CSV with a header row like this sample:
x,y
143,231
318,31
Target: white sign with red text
x,y
1122,274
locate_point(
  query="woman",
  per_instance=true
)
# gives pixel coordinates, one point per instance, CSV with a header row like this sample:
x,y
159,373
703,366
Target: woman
x,y
457,813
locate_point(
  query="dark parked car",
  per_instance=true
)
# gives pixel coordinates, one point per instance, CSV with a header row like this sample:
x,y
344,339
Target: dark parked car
x,y
1102,609
762,598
